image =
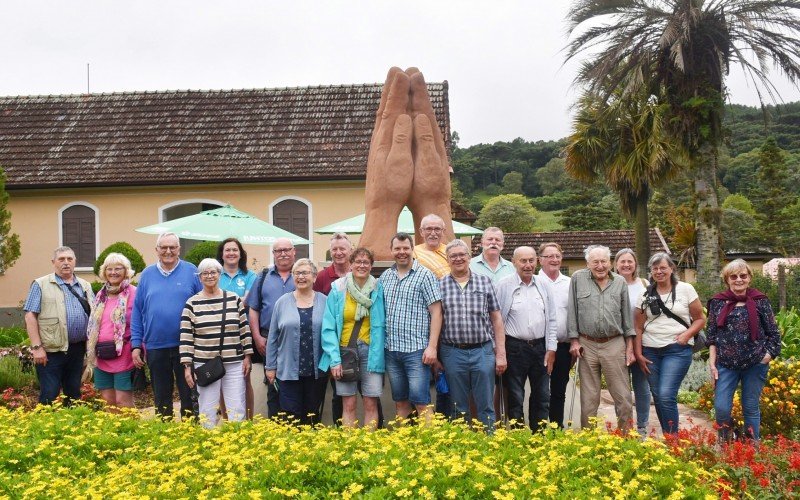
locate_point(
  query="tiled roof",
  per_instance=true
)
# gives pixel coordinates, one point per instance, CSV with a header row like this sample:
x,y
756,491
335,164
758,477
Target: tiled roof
x,y
461,213
197,136
573,242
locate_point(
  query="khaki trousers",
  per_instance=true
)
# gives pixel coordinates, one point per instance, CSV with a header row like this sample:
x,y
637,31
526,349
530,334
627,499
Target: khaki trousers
x,y
607,358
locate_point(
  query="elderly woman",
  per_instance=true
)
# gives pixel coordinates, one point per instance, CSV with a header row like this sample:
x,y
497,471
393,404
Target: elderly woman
x,y
743,338
109,345
214,324
666,321
626,265
355,307
294,346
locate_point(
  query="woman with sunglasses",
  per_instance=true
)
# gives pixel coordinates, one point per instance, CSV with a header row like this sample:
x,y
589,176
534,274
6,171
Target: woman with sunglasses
x,y
743,338
668,318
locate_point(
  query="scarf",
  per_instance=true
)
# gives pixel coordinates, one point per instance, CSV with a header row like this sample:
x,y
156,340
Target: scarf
x,y
749,298
361,295
117,319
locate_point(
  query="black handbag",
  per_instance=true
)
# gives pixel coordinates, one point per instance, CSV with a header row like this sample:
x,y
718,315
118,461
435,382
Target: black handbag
x,y
351,361
213,370
106,350
139,379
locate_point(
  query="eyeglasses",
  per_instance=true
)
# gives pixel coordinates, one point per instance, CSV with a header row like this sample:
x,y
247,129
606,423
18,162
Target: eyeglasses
x,y
362,263
209,274
115,270
281,250
457,256
302,273
743,277
436,230
548,257
169,248
660,269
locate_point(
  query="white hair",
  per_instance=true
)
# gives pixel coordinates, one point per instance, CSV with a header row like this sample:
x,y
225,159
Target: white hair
x,y
592,248
209,264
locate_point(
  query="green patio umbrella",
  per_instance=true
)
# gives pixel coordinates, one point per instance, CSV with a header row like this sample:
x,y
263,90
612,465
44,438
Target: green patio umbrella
x,y
221,223
405,223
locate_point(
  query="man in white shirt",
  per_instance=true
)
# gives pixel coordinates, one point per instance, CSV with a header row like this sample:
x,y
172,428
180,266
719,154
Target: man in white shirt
x,y
550,257
529,315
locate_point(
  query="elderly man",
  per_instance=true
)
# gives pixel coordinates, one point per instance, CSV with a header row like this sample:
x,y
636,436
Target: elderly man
x,y
431,253
601,335
413,322
529,314
161,295
268,288
489,263
550,257
472,341
56,316
340,263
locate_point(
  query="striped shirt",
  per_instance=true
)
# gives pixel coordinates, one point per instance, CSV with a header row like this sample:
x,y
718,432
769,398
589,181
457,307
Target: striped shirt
x,y
435,260
466,310
408,321
201,325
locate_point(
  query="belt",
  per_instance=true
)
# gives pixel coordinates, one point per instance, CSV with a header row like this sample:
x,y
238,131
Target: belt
x,y
466,346
533,342
599,340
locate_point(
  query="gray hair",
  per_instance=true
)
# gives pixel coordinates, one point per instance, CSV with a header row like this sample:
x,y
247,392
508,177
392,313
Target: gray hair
x,y
429,218
456,243
341,236
116,258
209,264
62,250
662,256
305,262
166,235
626,251
592,248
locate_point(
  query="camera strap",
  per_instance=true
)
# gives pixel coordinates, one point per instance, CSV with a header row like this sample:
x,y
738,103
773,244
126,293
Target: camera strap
x,y
669,313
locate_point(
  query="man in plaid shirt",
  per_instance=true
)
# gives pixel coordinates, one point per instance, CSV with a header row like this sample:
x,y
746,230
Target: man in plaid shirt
x,y
473,347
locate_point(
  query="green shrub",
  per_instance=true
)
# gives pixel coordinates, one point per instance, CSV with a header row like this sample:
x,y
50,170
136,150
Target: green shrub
x,y
137,261
13,375
789,325
14,335
203,250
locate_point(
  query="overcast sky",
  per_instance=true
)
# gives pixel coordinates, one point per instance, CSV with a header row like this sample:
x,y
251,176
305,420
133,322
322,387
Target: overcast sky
x,y
503,59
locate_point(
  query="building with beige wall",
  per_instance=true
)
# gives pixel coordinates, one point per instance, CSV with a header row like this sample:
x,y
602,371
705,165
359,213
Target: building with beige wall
x,y
85,171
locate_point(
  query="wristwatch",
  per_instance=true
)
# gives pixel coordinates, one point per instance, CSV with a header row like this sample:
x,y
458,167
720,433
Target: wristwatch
x,y
36,346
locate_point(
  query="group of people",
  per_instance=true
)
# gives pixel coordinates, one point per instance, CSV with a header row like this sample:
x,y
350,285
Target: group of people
x,y
485,325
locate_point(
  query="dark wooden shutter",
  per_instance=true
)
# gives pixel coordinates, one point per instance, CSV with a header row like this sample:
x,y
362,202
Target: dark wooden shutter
x,y
77,225
292,215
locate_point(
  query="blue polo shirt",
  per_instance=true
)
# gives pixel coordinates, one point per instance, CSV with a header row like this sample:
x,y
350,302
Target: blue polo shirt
x,y
479,266
263,300
240,283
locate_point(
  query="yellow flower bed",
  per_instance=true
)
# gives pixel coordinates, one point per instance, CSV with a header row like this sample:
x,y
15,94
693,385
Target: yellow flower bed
x,y
83,453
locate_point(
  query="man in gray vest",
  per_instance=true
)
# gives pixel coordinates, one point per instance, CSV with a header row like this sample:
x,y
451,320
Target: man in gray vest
x,y
56,316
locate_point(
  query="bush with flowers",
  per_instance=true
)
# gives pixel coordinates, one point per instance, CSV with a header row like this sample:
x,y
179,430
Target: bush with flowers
x,y
780,400
77,452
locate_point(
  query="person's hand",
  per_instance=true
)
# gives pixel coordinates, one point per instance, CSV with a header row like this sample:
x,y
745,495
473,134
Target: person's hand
x,y
261,344
429,356
500,363
643,362
630,357
39,356
712,367
336,372
136,354
683,338
246,366
575,349
766,359
549,361
270,376
188,374
87,374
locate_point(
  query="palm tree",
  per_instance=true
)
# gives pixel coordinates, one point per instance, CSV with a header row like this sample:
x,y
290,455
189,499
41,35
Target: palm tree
x,y
623,139
686,47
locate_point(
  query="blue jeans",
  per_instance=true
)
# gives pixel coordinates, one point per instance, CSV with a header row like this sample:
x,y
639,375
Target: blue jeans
x,y
62,372
753,380
471,371
668,368
526,363
641,396
409,379
166,371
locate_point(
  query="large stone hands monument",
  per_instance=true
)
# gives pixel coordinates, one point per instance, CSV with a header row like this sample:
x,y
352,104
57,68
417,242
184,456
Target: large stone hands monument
x,y
407,162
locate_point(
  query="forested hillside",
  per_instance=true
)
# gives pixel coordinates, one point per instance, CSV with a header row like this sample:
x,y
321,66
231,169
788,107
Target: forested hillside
x,y
764,174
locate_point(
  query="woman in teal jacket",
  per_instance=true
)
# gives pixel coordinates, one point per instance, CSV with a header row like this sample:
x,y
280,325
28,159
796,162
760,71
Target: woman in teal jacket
x,y
356,296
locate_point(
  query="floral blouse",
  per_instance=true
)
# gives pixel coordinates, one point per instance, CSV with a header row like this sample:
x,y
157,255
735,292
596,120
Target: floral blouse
x,y
735,350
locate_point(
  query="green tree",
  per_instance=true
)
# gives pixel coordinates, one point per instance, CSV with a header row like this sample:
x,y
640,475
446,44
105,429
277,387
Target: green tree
x,y
126,249
9,242
601,216
771,195
738,230
685,48
512,183
622,138
203,250
738,202
510,212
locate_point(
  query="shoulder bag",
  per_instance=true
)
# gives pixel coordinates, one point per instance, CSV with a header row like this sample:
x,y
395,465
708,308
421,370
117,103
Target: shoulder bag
x,y
351,362
213,370
699,339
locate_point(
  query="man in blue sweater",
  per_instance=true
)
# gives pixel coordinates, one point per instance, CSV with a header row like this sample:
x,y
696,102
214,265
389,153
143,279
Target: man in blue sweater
x,y
156,323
